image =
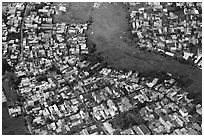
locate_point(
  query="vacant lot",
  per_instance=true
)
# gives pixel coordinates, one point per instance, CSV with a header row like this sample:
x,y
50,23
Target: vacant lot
x,y
75,12
110,32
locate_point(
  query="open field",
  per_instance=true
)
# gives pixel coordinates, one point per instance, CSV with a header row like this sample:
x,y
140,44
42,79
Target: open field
x,y
110,32
76,12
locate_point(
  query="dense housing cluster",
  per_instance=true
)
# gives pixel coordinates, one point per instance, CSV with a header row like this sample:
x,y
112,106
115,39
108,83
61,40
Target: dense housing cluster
x,y
11,32
173,29
63,93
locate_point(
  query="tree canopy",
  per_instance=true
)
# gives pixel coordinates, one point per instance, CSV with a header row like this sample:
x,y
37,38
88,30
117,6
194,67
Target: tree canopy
x,y
127,119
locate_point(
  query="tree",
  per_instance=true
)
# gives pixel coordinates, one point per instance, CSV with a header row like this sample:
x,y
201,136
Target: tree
x,y
48,120
139,119
5,66
28,108
35,125
30,118
36,102
91,46
190,95
141,105
66,119
120,122
41,5
192,111
22,99
198,99
116,132
41,78
61,100
56,69
126,119
130,119
125,92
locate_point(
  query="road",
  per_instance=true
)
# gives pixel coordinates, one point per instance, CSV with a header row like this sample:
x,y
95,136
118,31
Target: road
x,y
22,26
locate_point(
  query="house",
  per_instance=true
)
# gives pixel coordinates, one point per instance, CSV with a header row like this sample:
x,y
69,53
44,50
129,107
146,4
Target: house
x,y
37,120
20,7
62,8
183,112
152,106
155,81
192,132
84,132
59,129
164,101
108,127
199,109
3,97
11,11
184,130
169,54
45,112
43,10
13,57
47,26
142,130
187,55
198,59
25,82
179,121
53,126
14,111
200,63
166,109
197,127
178,132
143,111
158,111
128,132
166,124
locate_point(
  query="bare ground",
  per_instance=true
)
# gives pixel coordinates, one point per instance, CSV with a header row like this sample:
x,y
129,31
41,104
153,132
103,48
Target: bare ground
x,y
76,12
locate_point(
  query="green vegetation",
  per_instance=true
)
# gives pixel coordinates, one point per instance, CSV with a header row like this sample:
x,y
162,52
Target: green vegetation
x,y
127,119
5,66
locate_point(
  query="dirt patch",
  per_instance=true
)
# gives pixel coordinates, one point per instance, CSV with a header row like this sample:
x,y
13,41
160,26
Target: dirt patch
x,y
76,12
